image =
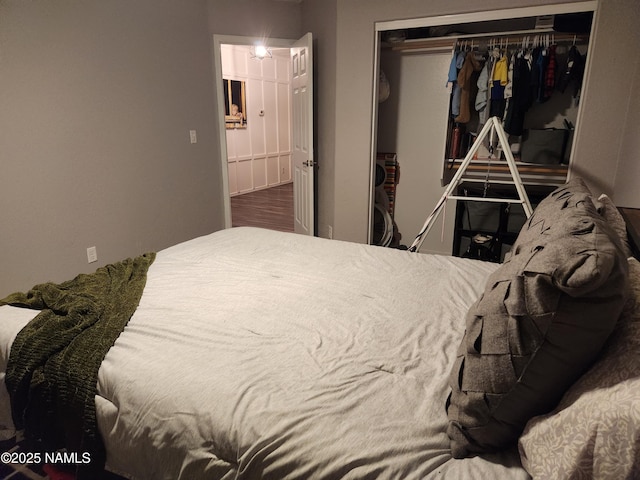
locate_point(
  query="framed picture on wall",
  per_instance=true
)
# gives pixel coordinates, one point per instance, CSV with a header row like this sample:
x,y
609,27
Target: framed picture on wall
x,y
235,104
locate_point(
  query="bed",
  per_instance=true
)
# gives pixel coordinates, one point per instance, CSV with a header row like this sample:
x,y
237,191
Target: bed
x,y
255,354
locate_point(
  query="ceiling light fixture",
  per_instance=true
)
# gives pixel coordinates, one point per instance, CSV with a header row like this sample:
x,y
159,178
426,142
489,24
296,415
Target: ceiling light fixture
x,y
260,52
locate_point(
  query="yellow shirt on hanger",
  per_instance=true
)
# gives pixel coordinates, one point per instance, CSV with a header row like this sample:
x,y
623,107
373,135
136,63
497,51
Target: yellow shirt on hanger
x,y
500,71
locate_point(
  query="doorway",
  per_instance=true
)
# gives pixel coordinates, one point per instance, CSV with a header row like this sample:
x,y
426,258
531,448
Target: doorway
x,y
261,147
257,88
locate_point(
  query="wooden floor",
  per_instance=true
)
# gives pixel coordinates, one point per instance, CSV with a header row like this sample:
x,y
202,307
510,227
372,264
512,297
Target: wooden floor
x,y
271,208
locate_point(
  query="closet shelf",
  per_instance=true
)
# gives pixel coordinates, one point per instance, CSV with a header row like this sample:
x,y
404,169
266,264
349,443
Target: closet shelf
x,y
501,166
531,173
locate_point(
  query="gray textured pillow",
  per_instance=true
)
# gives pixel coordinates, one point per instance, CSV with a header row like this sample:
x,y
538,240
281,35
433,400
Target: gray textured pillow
x,y
540,323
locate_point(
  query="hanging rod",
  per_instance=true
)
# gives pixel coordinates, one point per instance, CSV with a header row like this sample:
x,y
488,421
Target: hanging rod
x,y
514,38
533,31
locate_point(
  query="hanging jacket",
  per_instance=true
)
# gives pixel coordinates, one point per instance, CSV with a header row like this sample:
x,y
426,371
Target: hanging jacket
x,y
550,73
543,61
500,78
535,72
572,72
521,98
453,68
471,64
483,92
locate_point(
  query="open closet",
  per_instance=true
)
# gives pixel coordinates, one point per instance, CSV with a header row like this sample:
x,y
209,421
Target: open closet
x,y
438,84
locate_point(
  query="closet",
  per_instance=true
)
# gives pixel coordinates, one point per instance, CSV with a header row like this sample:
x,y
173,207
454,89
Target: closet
x,y
444,81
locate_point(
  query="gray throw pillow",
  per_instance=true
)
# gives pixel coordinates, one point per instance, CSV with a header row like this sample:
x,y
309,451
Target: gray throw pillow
x,y
540,323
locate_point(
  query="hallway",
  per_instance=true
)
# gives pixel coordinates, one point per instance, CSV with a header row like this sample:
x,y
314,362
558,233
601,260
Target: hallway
x,y
270,208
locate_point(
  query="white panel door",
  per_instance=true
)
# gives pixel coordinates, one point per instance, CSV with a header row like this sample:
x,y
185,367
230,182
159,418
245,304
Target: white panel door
x,y
302,126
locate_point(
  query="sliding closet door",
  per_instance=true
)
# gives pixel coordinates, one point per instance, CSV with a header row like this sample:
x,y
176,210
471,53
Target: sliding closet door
x,y
413,123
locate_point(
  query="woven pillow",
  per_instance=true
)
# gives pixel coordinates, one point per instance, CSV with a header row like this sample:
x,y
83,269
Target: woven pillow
x,y
541,321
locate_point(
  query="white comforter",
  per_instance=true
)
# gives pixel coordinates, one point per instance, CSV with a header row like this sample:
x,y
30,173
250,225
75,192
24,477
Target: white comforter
x,y
259,354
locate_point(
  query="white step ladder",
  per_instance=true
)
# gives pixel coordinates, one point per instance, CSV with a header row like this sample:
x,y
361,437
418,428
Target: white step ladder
x,y
493,125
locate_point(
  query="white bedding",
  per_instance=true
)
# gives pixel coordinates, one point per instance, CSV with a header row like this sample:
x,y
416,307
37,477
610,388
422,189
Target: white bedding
x,y
260,354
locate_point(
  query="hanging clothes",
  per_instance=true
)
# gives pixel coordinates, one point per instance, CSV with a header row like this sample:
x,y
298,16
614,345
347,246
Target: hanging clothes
x,y
572,72
508,89
471,64
456,96
482,97
510,83
535,72
541,68
453,69
500,77
550,73
521,98
499,81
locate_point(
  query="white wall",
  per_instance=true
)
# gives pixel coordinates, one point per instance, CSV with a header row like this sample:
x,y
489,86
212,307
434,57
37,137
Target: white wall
x,y
259,156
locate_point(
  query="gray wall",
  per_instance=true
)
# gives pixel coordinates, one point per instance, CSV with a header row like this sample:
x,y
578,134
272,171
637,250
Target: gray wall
x,y
627,186
604,126
255,18
319,17
96,103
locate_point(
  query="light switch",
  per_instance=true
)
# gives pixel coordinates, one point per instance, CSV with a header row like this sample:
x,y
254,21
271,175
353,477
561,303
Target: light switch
x,y
193,136
92,254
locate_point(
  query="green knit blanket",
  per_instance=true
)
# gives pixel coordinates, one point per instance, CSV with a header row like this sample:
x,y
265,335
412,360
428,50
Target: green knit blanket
x,y
52,371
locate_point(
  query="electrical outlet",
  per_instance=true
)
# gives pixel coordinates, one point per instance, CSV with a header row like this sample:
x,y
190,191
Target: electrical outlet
x,y
330,231
92,254
193,136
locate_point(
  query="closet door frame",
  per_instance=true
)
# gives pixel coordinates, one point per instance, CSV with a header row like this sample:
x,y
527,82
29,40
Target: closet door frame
x,y
472,17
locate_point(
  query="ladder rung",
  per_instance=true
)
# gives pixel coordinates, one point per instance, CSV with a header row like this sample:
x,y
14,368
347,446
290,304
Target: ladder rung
x,y
485,199
484,180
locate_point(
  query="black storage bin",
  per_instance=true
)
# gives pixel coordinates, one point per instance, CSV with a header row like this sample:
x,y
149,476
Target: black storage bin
x,y
544,146
573,22
481,216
